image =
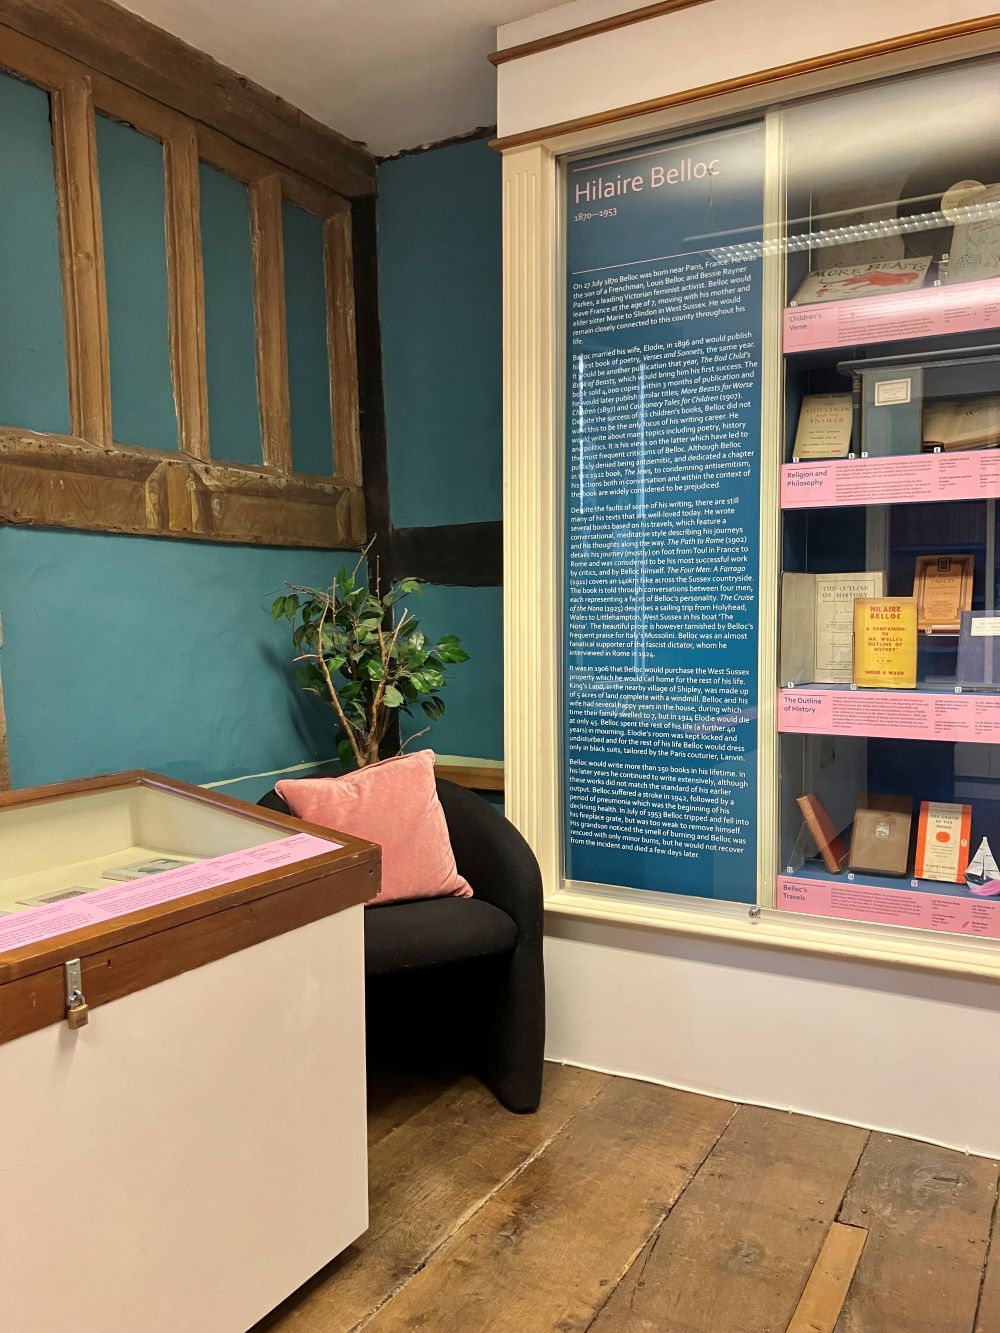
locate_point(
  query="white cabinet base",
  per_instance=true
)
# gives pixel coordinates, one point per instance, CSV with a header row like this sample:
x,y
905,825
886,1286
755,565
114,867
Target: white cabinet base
x,y
195,1153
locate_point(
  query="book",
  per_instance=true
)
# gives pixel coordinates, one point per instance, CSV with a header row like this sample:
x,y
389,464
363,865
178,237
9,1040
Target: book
x,y
824,426
155,865
973,424
942,587
891,411
54,896
880,836
817,625
827,840
979,651
852,280
974,253
943,842
885,643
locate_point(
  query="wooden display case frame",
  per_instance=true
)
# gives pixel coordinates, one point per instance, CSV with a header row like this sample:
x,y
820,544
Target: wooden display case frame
x,y
131,952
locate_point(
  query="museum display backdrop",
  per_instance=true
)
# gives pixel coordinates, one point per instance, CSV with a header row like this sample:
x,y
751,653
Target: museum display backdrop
x,y
852,425
662,503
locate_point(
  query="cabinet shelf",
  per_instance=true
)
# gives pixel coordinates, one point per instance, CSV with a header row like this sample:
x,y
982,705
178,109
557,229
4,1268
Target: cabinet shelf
x,y
920,904
928,714
972,474
927,312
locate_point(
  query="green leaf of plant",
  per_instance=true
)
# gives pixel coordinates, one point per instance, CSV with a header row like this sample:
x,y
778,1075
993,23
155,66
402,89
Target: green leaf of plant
x,y
373,669
335,663
433,707
277,608
392,697
345,752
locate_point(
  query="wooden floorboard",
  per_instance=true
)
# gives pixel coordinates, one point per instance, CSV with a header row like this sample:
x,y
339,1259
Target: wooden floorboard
x,y
425,1179
737,1250
547,1250
988,1313
928,1213
820,1304
623,1207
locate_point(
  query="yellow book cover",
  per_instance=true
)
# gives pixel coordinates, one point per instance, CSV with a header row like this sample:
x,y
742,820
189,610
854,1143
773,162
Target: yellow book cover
x,y
885,642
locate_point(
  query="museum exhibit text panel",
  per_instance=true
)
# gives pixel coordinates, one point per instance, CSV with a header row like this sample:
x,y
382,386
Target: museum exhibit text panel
x,y
779,660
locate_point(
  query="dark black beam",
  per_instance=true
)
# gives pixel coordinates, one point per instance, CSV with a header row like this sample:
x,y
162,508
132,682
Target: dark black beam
x,y
468,555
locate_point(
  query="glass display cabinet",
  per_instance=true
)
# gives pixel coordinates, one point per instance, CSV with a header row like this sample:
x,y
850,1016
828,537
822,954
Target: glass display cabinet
x,y
889,641
181,1053
780,651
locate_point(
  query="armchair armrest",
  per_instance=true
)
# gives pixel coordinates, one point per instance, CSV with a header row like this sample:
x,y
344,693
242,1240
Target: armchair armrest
x,y
494,858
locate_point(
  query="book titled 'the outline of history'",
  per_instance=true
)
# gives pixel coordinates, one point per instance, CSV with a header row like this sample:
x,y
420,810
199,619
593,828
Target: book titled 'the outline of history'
x,y
849,281
817,625
885,643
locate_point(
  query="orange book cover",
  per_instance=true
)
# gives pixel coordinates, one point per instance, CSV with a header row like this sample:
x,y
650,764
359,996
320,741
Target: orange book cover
x,y
819,824
943,841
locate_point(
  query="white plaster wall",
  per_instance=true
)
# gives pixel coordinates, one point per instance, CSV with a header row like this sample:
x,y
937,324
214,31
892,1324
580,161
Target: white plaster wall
x,y
883,1047
708,43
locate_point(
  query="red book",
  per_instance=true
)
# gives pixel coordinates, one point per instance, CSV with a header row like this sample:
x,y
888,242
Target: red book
x,y
819,824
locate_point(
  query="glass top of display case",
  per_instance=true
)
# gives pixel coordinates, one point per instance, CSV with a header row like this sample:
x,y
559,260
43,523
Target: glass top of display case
x,y
89,856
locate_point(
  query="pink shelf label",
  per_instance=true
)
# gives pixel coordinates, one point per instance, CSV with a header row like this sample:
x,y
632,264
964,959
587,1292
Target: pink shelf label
x,y
855,901
41,923
890,713
875,319
911,478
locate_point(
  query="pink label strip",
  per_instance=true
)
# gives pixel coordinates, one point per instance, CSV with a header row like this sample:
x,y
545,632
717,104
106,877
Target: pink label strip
x,y
41,923
873,319
972,475
854,901
890,713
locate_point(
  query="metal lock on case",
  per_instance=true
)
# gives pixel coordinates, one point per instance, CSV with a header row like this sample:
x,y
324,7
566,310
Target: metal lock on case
x,y
77,1011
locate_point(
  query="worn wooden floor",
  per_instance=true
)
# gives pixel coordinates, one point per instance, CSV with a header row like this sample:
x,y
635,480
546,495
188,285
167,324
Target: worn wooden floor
x,y
627,1208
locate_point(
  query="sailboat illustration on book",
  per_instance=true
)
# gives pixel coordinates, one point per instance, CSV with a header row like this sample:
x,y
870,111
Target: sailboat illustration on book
x,y
983,874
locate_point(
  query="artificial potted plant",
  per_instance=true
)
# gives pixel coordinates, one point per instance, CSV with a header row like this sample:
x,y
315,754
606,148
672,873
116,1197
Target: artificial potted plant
x,y
365,655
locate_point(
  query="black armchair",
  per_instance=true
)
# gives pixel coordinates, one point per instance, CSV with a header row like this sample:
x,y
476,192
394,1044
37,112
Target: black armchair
x,y
470,965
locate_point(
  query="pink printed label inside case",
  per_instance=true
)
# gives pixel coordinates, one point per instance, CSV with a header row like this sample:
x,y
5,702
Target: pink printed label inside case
x,y
890,713
855,901
962,308
910,479
41,923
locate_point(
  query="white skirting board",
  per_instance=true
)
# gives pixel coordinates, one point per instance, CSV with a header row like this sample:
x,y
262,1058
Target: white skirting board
x,y
912,1053
196,1152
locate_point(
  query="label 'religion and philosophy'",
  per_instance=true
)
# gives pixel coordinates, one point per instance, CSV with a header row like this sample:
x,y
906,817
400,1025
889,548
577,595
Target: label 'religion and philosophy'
x,y
662,526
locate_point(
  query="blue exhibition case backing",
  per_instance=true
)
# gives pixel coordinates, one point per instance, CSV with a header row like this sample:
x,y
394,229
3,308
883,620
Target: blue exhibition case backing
x,y
664,310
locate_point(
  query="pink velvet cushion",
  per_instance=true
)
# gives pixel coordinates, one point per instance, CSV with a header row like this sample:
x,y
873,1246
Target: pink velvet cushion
x,y
395,804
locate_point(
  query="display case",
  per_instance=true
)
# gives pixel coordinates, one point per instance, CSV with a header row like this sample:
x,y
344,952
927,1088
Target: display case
x,y
889,698
181,1054
779,662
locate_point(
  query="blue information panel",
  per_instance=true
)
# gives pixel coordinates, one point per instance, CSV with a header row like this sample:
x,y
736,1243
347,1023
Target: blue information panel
x,y
663,510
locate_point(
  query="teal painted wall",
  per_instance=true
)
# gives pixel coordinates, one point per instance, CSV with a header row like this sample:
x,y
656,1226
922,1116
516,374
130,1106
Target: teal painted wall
x,y
33,392
124,652
130,170
230,336
473,720
439,225
308,357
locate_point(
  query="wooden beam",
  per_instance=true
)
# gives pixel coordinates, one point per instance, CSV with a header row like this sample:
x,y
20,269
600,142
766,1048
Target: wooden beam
x,y
82,253
56,481
464,555
187,292
120,44
477,777
269,303
342,342
595,29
